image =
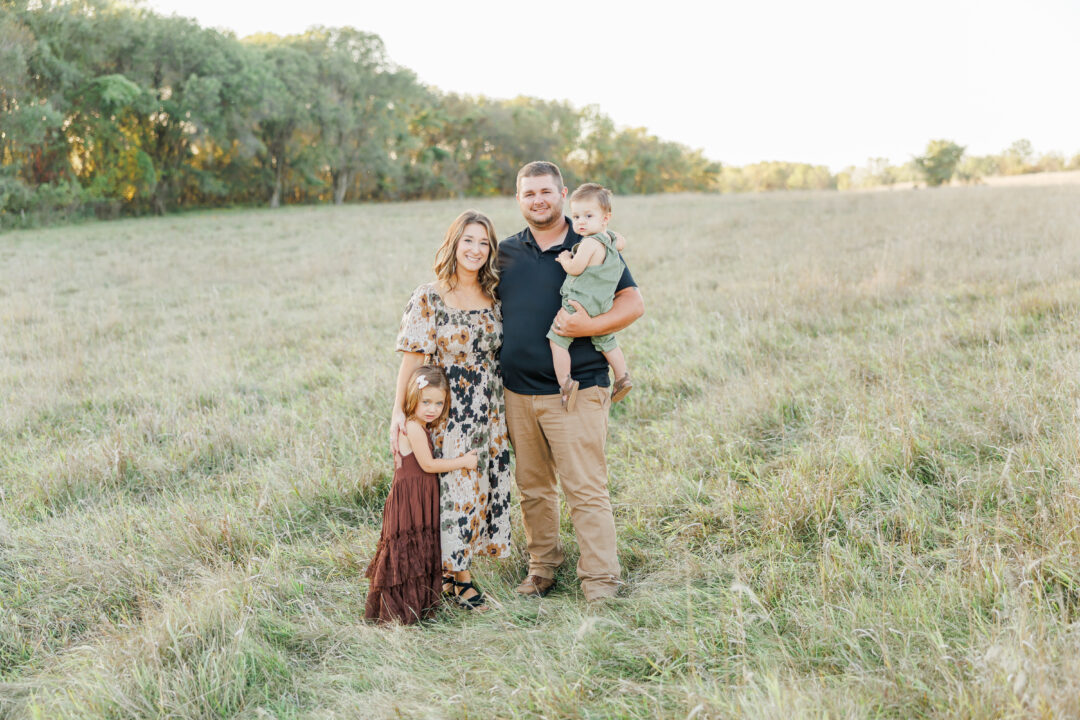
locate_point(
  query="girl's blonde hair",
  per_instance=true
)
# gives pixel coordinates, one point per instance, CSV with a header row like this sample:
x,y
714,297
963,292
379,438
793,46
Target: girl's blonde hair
x,y
446,256
433,376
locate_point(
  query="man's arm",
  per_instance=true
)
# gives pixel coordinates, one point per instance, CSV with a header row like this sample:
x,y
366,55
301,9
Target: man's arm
x,y
627,308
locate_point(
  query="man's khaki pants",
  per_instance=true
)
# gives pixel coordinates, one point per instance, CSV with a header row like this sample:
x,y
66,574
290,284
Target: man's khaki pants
x,y
547,439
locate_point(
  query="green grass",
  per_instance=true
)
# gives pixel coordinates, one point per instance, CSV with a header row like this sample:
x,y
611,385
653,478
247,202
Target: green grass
x,y
847,483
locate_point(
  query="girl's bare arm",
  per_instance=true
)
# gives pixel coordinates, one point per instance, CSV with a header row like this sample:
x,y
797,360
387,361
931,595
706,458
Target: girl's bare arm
x,y
409,362
418,439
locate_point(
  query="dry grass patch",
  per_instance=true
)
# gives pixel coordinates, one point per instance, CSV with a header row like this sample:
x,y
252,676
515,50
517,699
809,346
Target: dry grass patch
x,y
845,485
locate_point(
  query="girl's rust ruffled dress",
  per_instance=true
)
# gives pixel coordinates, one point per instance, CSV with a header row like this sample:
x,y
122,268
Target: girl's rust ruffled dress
x,y
406,572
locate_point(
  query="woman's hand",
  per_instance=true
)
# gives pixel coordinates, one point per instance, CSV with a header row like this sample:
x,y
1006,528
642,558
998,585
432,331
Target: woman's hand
x,y
409,362
397,426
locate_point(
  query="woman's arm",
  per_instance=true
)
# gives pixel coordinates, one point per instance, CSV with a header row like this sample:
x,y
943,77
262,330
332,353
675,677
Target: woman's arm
x,y
417,438
409,362
628,307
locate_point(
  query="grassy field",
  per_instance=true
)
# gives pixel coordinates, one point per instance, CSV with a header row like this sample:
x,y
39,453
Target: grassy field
x,y
847,483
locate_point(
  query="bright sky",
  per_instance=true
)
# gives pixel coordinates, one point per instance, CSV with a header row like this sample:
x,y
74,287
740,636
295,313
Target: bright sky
x,y
830,82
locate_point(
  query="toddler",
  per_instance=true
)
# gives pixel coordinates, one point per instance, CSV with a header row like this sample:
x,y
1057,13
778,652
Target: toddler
x,y
592,274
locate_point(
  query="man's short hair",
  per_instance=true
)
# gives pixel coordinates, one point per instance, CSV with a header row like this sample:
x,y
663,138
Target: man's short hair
x,y
537,169
593,191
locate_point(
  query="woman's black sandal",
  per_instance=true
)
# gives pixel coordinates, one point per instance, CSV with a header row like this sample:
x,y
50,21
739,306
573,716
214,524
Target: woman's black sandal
x,y
476,602
448,587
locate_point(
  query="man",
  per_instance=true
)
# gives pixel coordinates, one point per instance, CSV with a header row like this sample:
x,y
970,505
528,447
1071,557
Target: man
x,y
546,438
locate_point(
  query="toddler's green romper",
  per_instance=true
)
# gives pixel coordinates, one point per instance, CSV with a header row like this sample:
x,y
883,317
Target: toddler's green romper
x,y
594,288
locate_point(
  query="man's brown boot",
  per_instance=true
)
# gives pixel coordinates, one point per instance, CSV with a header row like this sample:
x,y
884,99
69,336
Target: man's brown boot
x,y
535,586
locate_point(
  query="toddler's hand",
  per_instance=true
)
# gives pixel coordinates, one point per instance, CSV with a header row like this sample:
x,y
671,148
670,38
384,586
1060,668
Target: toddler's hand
x,y
469,459
564,257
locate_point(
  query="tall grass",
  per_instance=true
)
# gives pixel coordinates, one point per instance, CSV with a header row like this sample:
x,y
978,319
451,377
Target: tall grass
x,y
846,484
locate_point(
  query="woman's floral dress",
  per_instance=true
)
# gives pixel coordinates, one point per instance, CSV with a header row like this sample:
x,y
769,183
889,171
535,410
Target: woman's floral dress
x,y
474,505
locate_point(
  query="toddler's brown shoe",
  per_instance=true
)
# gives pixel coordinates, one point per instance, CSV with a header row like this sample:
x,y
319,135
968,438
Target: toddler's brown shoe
x,y
621,387
568,394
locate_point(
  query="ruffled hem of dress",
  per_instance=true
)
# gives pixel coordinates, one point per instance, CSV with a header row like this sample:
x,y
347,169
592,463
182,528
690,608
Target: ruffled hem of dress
x,y
403,556
407,603
406,571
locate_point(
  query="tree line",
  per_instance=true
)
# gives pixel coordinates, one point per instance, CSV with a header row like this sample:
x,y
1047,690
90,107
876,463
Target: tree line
x,y
945,161
110,109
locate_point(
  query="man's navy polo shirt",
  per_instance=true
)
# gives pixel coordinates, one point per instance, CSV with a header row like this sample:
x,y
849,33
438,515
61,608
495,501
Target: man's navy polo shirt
x,y
529,284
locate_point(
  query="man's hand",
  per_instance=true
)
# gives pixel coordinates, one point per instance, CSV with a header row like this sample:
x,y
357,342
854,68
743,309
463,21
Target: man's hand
x,y
627,307
576,324
397,426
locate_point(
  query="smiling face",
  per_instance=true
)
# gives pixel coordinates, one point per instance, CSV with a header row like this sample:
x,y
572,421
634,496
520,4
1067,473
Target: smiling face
x,y
473,248
430,406
541,200
469,248
588,217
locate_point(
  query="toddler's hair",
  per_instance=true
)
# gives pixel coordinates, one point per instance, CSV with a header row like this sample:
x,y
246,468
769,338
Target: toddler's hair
x,y
423,377
593,191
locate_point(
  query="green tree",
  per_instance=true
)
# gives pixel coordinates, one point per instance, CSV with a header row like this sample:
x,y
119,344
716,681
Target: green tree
x,y
802,176
22,123
202,92
1018,158
939,162
359,108
113,168
1050,162
972,168
285,115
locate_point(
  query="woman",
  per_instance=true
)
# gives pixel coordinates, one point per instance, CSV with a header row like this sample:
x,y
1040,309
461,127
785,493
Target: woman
x,y
455,323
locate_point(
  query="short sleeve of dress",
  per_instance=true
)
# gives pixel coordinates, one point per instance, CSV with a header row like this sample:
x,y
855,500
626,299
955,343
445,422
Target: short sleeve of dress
x,y
417,331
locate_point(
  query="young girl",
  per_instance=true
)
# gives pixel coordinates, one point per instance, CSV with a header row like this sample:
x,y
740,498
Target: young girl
x,y
406,572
